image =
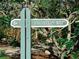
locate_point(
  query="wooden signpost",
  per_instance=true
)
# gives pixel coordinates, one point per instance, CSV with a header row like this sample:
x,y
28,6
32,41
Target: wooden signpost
x,y
25,23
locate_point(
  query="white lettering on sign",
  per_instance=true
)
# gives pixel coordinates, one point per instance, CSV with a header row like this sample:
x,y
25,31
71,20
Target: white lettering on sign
x,y
16,23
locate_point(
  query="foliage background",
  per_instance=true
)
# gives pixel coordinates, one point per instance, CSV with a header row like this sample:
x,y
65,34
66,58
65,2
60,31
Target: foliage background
x,y
64,39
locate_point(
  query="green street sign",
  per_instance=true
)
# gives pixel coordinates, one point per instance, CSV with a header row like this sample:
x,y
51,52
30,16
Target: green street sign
x,y
25,23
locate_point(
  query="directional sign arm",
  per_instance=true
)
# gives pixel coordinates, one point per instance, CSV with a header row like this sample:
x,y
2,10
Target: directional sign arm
x,y
42,23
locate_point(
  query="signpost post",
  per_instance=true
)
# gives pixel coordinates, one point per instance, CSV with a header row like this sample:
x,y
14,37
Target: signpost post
x,y
25,23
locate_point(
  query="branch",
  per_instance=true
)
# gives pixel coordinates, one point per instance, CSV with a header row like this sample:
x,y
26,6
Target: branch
x,y
3,14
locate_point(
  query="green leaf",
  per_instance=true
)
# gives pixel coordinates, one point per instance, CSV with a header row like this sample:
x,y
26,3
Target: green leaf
x,y
74,55
69,44
61,40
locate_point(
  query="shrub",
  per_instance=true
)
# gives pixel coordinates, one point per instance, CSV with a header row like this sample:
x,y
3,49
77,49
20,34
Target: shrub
x,y
2,53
